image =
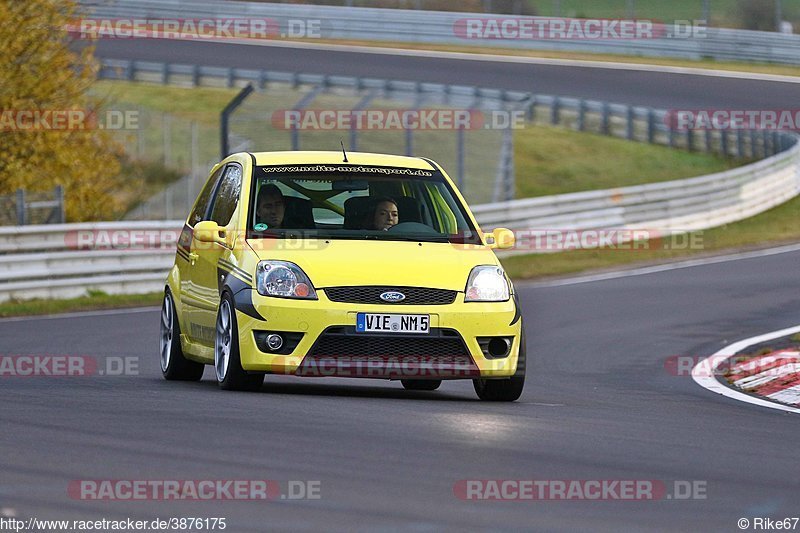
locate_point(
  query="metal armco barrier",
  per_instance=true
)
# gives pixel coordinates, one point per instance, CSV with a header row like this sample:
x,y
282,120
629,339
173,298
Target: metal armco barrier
x,y
437,27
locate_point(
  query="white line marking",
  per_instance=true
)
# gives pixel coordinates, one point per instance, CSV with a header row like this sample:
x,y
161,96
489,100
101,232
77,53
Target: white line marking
x,y
503,58
790,395
617,274
700,373
82,314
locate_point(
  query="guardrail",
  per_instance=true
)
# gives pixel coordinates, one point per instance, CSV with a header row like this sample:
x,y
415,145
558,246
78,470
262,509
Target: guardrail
x,y
66,260
437,27
61,261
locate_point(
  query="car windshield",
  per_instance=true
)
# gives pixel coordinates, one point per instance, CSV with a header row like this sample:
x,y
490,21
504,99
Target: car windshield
x,y
356,202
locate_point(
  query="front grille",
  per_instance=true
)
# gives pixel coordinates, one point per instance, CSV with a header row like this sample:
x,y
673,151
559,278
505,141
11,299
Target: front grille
x,y
371,295
337,341
339,351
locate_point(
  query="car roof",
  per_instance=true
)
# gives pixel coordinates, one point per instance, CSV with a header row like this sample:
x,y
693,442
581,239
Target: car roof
x,y
335,157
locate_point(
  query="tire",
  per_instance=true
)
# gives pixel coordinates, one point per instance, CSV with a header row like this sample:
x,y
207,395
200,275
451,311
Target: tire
x,y
174,366
227,361
504,390
421,384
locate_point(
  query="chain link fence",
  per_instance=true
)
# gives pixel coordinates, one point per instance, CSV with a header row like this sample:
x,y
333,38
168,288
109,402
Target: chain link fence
x,y
26,207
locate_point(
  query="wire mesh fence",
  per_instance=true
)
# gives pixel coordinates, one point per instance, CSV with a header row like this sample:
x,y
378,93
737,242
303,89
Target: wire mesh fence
x,y
25,207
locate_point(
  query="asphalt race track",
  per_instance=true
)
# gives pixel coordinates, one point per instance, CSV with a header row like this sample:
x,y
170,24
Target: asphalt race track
x,y
657,89
598,405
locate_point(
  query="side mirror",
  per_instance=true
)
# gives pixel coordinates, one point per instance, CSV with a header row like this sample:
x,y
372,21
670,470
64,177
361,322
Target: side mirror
x,y
501,239
210,232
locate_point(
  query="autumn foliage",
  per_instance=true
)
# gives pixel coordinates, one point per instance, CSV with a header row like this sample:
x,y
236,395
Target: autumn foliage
x,y
42,70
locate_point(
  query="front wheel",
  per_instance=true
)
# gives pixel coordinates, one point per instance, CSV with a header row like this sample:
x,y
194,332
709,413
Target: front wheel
x,y
504,390
174,365
421,384
227,363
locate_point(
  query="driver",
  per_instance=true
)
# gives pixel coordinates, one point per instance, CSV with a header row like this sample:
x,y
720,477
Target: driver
x,y
382,214
271,206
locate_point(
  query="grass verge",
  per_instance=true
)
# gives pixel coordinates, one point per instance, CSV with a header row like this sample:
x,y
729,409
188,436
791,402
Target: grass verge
x,y
774,227
553,160
91,302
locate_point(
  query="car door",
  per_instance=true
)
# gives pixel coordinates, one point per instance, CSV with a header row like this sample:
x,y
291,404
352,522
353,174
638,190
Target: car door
x,y
187,261
205,272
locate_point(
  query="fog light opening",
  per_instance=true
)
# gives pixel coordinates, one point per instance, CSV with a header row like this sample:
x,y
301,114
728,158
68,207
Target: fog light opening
x,y
499,347
274,342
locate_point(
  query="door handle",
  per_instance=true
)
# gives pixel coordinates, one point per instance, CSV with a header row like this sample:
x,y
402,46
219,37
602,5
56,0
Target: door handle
x,y
193,257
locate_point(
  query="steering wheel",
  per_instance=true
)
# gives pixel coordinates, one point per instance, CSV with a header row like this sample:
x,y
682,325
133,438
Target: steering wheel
x,y
413,227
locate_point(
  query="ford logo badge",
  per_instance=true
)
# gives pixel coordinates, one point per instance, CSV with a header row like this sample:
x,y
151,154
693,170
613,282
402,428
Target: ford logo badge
x,y
393,296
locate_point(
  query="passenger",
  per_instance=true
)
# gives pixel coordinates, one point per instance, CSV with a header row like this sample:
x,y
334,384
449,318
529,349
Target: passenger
x,y
270,207
382,214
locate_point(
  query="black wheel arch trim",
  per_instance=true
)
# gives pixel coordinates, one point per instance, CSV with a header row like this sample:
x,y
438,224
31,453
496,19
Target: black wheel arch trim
x,y
241,292
517,311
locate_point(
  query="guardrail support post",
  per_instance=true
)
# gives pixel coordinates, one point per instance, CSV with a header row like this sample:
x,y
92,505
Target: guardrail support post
x,y
555,111
724,143
20,207
651,126
582,115
606,119
690,139
60,209
739,144
629,131
531,108
708,141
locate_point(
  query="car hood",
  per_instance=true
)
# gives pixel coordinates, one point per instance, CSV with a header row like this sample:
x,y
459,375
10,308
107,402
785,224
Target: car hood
x,y
357,262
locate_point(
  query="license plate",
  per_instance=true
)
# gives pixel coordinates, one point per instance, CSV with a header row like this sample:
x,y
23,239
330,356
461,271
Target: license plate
x,y
373,322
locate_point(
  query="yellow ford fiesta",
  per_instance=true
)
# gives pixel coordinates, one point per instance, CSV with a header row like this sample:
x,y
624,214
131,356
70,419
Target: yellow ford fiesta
x,y
340,264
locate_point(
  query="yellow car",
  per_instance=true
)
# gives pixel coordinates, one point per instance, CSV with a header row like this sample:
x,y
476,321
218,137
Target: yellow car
x,y
340,264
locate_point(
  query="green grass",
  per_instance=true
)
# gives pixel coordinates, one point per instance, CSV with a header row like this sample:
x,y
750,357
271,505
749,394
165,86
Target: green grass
x,y
773,227
94,300
723,12
202,104
552,160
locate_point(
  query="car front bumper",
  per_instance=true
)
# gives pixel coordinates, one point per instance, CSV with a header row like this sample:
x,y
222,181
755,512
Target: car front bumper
x,y
329,345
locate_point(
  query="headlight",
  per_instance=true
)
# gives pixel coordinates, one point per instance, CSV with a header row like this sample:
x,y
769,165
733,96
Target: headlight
x,y
283,279
487,284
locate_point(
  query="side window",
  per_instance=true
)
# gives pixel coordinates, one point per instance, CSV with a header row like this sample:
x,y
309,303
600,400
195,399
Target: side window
x,y
227,197
204,199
